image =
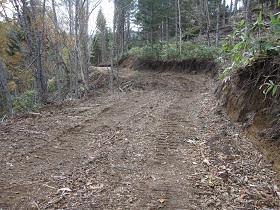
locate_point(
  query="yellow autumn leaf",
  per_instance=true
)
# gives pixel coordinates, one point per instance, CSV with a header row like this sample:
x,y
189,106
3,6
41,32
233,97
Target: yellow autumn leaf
x,y
12,85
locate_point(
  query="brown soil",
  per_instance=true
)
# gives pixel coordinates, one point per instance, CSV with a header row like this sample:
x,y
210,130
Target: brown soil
x,y
160,143
242,95
191,65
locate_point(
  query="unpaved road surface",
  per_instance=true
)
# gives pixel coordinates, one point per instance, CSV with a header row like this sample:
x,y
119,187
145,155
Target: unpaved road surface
x,y
160,143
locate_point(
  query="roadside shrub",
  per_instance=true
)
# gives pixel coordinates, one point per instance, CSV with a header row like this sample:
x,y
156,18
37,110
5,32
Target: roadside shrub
x,y
190,50
26,101
52,86
160,51
3,108
262,40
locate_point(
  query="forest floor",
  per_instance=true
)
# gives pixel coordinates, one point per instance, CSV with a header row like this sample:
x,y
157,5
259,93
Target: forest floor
x,y
160,143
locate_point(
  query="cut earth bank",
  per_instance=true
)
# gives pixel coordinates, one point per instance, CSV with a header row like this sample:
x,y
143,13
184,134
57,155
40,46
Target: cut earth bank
x,y
249,98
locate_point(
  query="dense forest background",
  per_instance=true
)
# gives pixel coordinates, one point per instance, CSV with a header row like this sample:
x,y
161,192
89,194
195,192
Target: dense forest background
x,y
46,56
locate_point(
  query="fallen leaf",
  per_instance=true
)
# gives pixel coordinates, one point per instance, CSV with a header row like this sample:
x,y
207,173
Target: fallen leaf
x,y
276,190
191,141
207,162
97,187
64,189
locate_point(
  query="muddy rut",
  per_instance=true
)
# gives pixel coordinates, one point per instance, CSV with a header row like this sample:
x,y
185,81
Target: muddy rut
x,y
159,143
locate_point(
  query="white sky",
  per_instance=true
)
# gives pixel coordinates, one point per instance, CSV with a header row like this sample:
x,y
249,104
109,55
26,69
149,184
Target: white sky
x,y
108,10
106,5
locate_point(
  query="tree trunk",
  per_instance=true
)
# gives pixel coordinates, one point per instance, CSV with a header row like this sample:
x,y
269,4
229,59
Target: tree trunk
x,y
207,20
224,13
230,9
180,27
56,52
4,82
235,13
76,53
70,51
113,47
84,42
218,22
235,6
176,23
167,36
128,35
201,17
248,17
32,20
39,39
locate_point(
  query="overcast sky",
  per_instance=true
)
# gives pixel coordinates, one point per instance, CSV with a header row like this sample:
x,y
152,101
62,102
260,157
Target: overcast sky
x,y
108,10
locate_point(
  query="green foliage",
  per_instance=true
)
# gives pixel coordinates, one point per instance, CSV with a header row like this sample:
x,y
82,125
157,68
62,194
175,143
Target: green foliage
x,y
190,50
146,51
162,51
3,107
52,85
269,87
263,40
96,48
152,51
25,101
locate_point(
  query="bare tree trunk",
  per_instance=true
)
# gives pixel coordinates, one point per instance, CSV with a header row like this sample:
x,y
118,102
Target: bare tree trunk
x,y
32,21
207,20
218,23
176,22
224,13
56,52
103,46
70,52
76,53
201,16
180,26
128,35
39,32
235,6
248,18
84,51
167,36
230,9
113,47
122,23
4,82
234,13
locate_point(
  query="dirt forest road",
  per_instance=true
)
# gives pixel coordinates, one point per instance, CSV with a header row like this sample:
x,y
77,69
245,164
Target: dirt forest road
x,y
160,143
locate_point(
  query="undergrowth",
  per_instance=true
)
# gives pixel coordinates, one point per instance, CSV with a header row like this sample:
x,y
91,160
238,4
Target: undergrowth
x,y
161,51
26,101
261,41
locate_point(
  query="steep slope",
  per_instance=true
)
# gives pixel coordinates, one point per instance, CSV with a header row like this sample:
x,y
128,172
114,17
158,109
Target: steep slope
x,y
242,95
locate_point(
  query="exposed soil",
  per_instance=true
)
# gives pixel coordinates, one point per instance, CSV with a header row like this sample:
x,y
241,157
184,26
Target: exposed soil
x,y
242,95
191,65
160,143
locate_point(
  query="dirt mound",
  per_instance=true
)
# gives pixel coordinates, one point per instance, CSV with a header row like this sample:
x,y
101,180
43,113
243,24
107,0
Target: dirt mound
x,y
195,65
245,102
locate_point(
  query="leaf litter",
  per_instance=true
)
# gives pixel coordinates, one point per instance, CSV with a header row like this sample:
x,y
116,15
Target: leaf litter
x,y
162,143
